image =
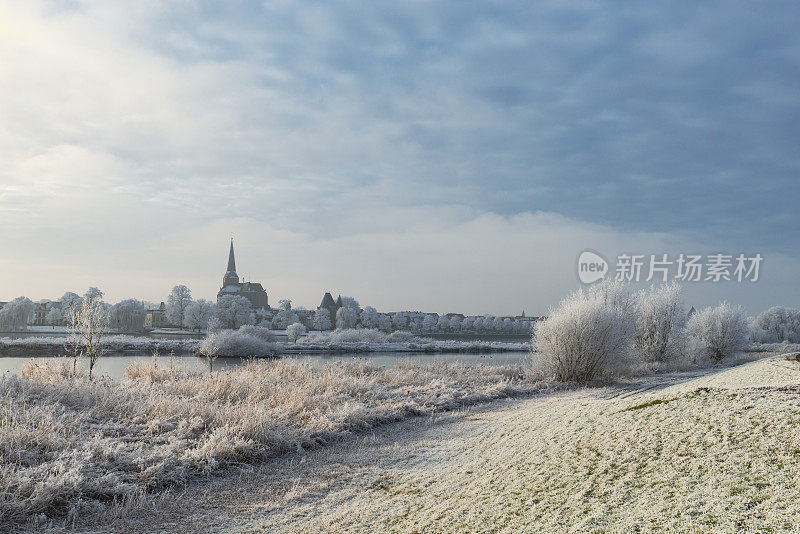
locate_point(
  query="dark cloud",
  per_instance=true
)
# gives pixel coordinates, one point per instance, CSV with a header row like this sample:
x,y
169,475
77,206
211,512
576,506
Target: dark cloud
x,y
318,117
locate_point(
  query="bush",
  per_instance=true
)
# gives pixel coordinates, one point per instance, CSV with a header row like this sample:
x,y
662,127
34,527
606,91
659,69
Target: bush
x,y
589,334
776,324
660,323
237,344
402,336
718,333
262,333
348,335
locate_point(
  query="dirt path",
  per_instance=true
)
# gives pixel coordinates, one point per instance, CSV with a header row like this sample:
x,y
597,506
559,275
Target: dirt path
x,y
697,451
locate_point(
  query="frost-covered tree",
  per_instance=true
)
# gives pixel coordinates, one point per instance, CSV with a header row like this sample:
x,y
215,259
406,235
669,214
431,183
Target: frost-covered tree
x,y
497,324
369,317
400,320
93,294
234,311
88,326
285,304
415,325
429,322
294,331
127,316
16,314
53,317
468,324
660,323
779,324
346,317
198,313
350,302
588,335
455,323
322,319
177,301
214,325
719,332
284,318
443,324
69,302
384,323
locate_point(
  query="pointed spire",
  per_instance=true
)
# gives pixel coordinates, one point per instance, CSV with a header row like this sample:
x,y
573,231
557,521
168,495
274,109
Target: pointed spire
x,y
231,260
230,278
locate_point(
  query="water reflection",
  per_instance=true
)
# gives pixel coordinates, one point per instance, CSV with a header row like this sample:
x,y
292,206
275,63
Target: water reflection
x,y
114,365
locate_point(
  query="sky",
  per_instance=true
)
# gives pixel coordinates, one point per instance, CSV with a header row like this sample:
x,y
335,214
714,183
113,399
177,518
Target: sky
x,y
437,156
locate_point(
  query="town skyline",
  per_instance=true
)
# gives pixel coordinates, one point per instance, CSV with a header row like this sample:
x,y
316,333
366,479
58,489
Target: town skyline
x,y
697,294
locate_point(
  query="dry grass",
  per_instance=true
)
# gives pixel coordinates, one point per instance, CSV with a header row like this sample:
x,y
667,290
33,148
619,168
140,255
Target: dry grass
x,y
69,446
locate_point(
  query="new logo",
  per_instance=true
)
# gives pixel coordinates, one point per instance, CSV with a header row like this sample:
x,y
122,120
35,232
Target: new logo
x,y
591,267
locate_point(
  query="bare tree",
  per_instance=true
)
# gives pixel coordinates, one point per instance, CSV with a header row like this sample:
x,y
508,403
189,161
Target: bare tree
x,y
177,301
88,325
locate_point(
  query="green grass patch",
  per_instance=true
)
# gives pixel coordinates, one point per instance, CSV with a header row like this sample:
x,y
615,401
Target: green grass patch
x,y
646,404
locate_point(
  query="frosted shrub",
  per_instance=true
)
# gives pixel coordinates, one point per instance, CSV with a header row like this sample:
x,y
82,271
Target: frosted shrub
x,y
660,324
232,343
262,333
401,336
348,335
589,334
52,371
718,333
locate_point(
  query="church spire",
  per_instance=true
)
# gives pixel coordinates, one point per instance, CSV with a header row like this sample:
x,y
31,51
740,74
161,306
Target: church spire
x,y
231,260
230,278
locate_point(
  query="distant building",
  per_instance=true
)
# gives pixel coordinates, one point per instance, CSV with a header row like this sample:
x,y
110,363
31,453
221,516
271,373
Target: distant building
x,y
156,317
41,310
252,291
332,306
526,319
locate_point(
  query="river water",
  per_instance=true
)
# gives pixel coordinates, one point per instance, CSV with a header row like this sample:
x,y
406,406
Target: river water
x,y
114,364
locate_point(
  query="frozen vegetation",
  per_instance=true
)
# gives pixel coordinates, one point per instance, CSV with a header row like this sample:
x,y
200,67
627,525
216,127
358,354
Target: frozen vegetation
x,y
373,340
608,330
110,342
718,453
70,446
254,341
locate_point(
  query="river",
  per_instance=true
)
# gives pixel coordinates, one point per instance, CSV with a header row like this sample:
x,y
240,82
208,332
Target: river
x,y
114,364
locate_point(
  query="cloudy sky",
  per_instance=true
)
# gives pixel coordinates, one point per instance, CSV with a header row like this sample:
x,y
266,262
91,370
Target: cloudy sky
x,y
443,156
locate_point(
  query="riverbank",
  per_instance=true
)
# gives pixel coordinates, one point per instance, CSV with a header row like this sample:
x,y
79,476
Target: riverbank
x,y
70,447
708,450
54,345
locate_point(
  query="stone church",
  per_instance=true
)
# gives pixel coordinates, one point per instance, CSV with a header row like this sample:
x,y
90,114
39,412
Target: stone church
x,y
252,291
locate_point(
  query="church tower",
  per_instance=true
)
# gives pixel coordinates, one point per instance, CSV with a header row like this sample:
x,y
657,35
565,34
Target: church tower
x,y
230,278
252,291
